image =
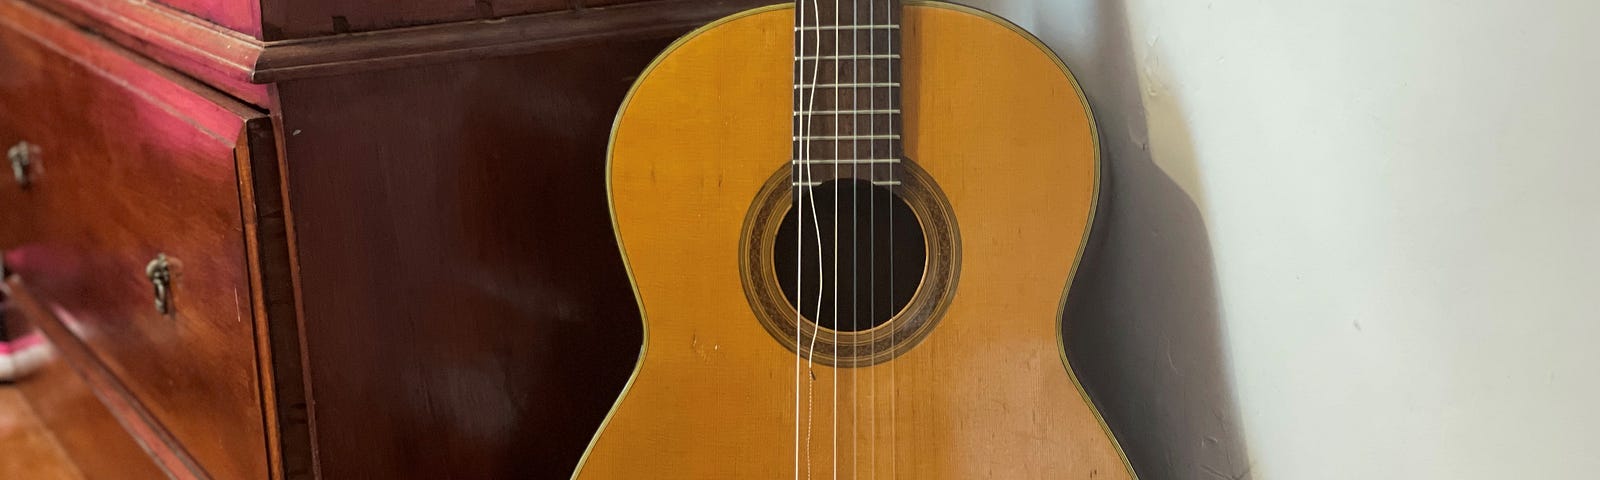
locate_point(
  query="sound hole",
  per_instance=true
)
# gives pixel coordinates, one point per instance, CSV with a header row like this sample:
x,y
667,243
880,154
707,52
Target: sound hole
x,y
873,272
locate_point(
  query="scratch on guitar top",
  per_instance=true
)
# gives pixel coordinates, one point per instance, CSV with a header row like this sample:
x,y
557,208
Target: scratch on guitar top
x,y
701,351
237,315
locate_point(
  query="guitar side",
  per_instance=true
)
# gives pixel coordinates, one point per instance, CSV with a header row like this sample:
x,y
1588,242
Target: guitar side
x,y
999,123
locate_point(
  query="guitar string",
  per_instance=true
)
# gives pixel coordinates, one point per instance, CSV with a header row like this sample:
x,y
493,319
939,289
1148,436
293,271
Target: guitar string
x,y
872,237
798,198
855,225
799,220
894,417
816,224
838,16
872,248
806,198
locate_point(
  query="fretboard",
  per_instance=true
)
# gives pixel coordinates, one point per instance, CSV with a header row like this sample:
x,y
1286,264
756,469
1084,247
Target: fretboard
x,y
847,91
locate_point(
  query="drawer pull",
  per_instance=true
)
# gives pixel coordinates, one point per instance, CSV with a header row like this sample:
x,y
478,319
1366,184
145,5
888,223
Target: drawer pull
x,y
159,271
21,156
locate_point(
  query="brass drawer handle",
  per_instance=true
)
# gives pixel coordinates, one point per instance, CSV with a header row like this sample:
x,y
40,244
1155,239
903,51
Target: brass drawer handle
x,y
21,156
159,271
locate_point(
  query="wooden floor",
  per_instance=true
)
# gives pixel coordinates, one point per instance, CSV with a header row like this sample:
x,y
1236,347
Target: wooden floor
x,y
26,449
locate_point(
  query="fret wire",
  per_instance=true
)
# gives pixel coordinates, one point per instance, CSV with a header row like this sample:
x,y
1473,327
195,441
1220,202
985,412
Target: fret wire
x,y
845,137
880,183
890,56
847,27
849,14
892,111
851,85
848,161
856,47
848,41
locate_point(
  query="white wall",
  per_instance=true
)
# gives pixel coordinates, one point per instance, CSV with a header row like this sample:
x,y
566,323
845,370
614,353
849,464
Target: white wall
x,y
1343,239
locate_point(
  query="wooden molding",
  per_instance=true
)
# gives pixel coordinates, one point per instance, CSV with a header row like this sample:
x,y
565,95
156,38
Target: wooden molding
x,y
213,113
239,64
285,399
223,58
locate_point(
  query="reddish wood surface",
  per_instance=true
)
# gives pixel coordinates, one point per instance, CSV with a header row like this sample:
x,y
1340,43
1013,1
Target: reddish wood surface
x,y
41,39
456,261
227,17
272,20
73,388
243,16
30,451
137,161
222,58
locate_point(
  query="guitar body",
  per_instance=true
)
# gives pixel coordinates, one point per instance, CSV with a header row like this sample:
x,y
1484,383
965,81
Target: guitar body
x,y
998,126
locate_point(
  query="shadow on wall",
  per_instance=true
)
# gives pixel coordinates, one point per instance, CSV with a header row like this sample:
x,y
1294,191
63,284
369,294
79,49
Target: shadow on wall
x,y
1143,325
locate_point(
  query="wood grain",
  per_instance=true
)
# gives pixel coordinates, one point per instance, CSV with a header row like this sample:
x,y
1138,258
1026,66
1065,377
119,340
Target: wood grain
x,y
219,57
521,35
994,119
285,400
240,65
135,161
105,430
464,313
30,451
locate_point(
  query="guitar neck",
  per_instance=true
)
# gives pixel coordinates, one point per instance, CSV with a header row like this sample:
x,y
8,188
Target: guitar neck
x,y
847,78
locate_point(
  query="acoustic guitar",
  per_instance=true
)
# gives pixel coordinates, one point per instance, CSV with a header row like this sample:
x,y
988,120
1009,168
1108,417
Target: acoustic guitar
x,y
851,226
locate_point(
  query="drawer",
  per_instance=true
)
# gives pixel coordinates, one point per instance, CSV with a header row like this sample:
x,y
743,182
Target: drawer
x,y
60,394
131,163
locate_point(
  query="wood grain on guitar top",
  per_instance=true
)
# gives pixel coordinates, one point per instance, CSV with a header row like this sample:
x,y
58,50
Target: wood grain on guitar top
x,y
991,117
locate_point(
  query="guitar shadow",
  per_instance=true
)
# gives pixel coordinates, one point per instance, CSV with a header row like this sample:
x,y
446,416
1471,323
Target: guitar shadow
x,y
1142,322
1143,328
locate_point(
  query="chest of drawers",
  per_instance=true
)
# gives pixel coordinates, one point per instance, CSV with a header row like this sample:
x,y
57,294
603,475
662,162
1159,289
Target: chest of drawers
x,y
290,239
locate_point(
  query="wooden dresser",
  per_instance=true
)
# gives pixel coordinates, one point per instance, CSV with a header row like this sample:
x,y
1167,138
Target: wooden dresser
x,y
341,239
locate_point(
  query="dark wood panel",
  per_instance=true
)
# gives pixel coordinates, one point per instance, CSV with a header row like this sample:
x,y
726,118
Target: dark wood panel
x,y
271,259
604,3
134,163
284,19
467,41
106,434
467,314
